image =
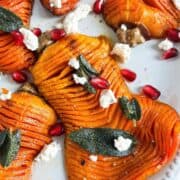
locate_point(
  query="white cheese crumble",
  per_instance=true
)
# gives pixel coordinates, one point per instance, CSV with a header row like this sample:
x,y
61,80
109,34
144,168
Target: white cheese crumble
x,y
71,20
5,96
122,50
30,39
177,4
107,98
48,152
74,63
165,45
93,158
123,27
56,3
79,80
122,144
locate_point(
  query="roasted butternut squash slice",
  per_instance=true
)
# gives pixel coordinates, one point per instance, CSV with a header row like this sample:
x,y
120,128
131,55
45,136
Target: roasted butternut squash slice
x,y
157,131
66,6
33,117
137,12
13,57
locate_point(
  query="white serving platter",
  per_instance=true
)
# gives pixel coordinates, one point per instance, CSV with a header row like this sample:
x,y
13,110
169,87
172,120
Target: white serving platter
x,y
145,61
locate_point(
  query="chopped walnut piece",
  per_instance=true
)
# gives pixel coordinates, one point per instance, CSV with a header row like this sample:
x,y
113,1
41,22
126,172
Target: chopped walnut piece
x,y
132,36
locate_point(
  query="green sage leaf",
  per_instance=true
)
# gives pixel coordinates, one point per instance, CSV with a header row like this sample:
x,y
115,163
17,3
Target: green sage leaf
x,y
3,135
100,141
9,21
10,148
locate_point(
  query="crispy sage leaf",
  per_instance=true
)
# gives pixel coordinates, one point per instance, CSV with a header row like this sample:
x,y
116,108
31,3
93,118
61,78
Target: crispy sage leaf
x,y
131,108
100,141
90,88
86,67
3,135
9,21
10,148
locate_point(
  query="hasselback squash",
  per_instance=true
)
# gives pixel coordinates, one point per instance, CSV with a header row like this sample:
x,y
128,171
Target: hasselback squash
x,y
13,57
157,131
33,117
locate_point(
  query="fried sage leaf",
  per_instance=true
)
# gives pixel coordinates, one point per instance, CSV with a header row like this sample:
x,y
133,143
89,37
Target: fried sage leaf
x,y
3,135
9,21
100,141
130,108
10,147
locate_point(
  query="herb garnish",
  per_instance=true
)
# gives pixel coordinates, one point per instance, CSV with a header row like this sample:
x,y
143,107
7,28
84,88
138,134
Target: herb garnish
x,y
10,144
9,21
100,141
131,109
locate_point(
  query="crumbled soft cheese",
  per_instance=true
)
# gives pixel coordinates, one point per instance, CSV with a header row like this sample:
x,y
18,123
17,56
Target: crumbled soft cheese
x,y
74,63
165,45
177,4
124,27
79,80
107,98
48,152
122,50
5,96
122,144
71,20
93,158
30,39
56,3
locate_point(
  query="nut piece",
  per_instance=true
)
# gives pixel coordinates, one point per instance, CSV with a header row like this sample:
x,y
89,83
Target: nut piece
x,y
132,36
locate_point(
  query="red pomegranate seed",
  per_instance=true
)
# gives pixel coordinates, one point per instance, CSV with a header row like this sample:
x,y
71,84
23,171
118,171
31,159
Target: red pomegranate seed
x,y
18,37
170,53
151,92
56,130
37,31
19,77
99,83
57,34
128,74
98,6
173,35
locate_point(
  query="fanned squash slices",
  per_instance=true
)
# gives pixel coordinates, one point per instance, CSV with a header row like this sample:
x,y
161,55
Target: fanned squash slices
x,y
157,131
33,117
138,12
66,6
13,57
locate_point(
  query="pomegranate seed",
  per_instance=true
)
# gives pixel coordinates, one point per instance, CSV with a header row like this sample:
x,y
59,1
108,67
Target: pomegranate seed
x,y
170,53
37,31
19,77
128,74
18,37
57,34
98,6
56,130
99,83
151,92
173,35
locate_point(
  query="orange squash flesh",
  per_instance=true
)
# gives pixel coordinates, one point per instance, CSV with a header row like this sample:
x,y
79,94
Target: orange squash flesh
x,y
156,21
13,57
157,131
67,5
32,117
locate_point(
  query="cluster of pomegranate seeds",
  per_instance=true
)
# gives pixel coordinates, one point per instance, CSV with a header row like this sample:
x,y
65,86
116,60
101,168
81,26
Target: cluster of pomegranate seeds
x,y
19,77
98,6
99,83
151,92
170,53
128,74
57,34
18,37
173,35
37,31
56,130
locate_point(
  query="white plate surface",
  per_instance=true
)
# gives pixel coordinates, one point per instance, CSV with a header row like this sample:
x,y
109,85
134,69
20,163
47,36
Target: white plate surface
x,y
145,61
